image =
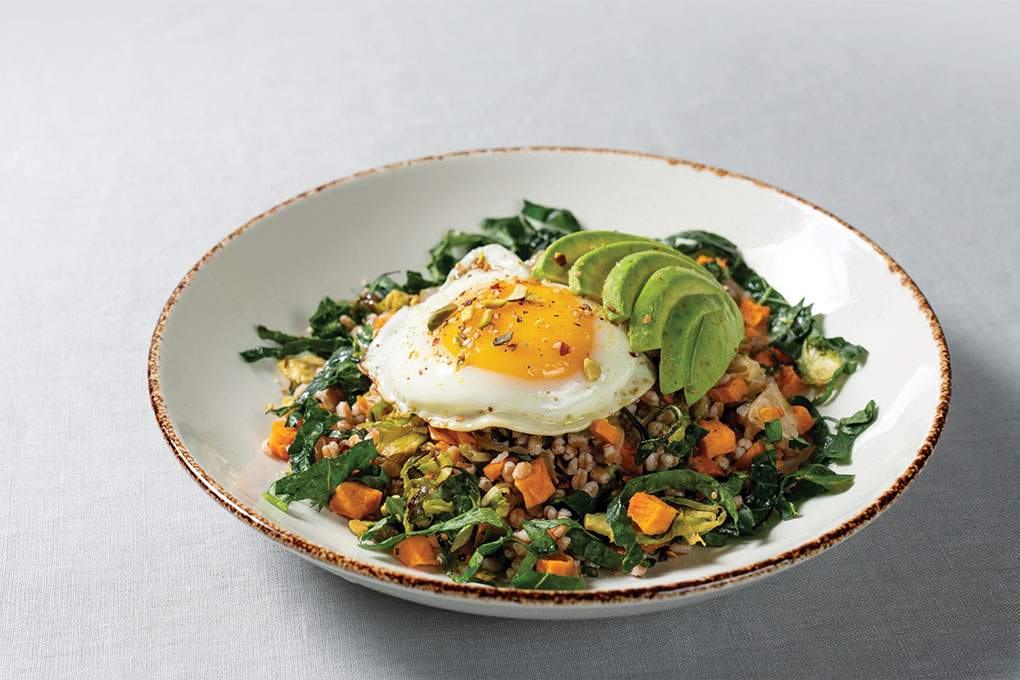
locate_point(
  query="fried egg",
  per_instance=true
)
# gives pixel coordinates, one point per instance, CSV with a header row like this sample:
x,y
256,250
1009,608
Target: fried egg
x,y
495,347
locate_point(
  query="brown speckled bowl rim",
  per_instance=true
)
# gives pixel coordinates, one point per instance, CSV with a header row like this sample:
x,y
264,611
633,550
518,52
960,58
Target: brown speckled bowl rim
x,y
543,597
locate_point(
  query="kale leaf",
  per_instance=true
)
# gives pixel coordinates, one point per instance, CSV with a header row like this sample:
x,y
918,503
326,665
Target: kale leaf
x,y
762,487
318,481
289,345
524,234
312,421
341,370
837,445
325,322
808,481
616,513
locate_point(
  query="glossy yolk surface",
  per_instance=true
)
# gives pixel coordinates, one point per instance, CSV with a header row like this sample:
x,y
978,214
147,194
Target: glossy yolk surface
x,y
544,332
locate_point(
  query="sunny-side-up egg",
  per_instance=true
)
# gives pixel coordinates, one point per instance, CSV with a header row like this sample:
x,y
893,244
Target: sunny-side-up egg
x,y
494,347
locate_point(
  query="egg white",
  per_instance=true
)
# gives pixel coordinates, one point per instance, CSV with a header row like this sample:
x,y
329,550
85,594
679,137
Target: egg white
x,y
421,378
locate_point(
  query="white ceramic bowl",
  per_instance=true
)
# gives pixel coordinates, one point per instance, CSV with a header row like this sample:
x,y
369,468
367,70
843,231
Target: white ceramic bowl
x,y
274,270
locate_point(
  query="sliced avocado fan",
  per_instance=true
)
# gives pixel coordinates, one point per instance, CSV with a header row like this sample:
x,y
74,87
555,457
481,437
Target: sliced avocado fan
x,y
629,275
587,275
664,290
670,302
555,262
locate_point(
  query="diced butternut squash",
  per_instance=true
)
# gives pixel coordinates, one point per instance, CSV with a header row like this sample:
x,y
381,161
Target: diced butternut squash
x,y
492,471
537,485
652,514
606,431
766,358
707,466
355,500
464,438
744,462
789,382
281,437
753,313
416,551
561,565
733,391
720,439
804,420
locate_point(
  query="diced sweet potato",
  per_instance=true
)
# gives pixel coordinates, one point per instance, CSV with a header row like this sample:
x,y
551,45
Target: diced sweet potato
x,y
766,358
768,413
416,551
627,453
719,440
355,500
537,485
562,565
733,391
707,466
753,313
804,420
652,515
281,437
493,470
789,382
605,431
744,462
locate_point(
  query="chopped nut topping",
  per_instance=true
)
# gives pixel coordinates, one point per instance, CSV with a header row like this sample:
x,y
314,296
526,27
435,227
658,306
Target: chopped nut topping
x,y
440,315
592,370
486,319
467,313
503,339
493,303
518,293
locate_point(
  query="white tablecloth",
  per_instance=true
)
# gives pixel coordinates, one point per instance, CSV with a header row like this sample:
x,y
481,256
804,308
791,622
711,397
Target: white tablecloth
x,y
133,137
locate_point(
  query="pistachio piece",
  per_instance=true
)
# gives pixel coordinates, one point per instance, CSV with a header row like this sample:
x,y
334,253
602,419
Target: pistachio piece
x,y
493,303
439,316
486,319
592,370
503,339
467,313
518,293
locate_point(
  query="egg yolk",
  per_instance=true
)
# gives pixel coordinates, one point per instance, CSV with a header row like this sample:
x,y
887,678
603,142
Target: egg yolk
x,y
519,327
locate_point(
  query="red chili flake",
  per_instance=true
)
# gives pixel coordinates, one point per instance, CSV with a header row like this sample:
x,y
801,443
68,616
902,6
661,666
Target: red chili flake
x,y
565,349
512,346
560,259
495,286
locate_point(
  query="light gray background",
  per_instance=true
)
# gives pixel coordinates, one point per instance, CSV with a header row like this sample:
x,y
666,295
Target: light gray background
x,y
132,138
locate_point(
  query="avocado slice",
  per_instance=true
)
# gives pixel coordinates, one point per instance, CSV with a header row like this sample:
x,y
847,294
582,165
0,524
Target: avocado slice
x,y
716,346
588,274
561,254
626,279
680,340
661,293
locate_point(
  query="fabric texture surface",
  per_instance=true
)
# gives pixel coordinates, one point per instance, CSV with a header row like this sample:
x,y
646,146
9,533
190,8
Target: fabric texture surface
x,y
135,136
